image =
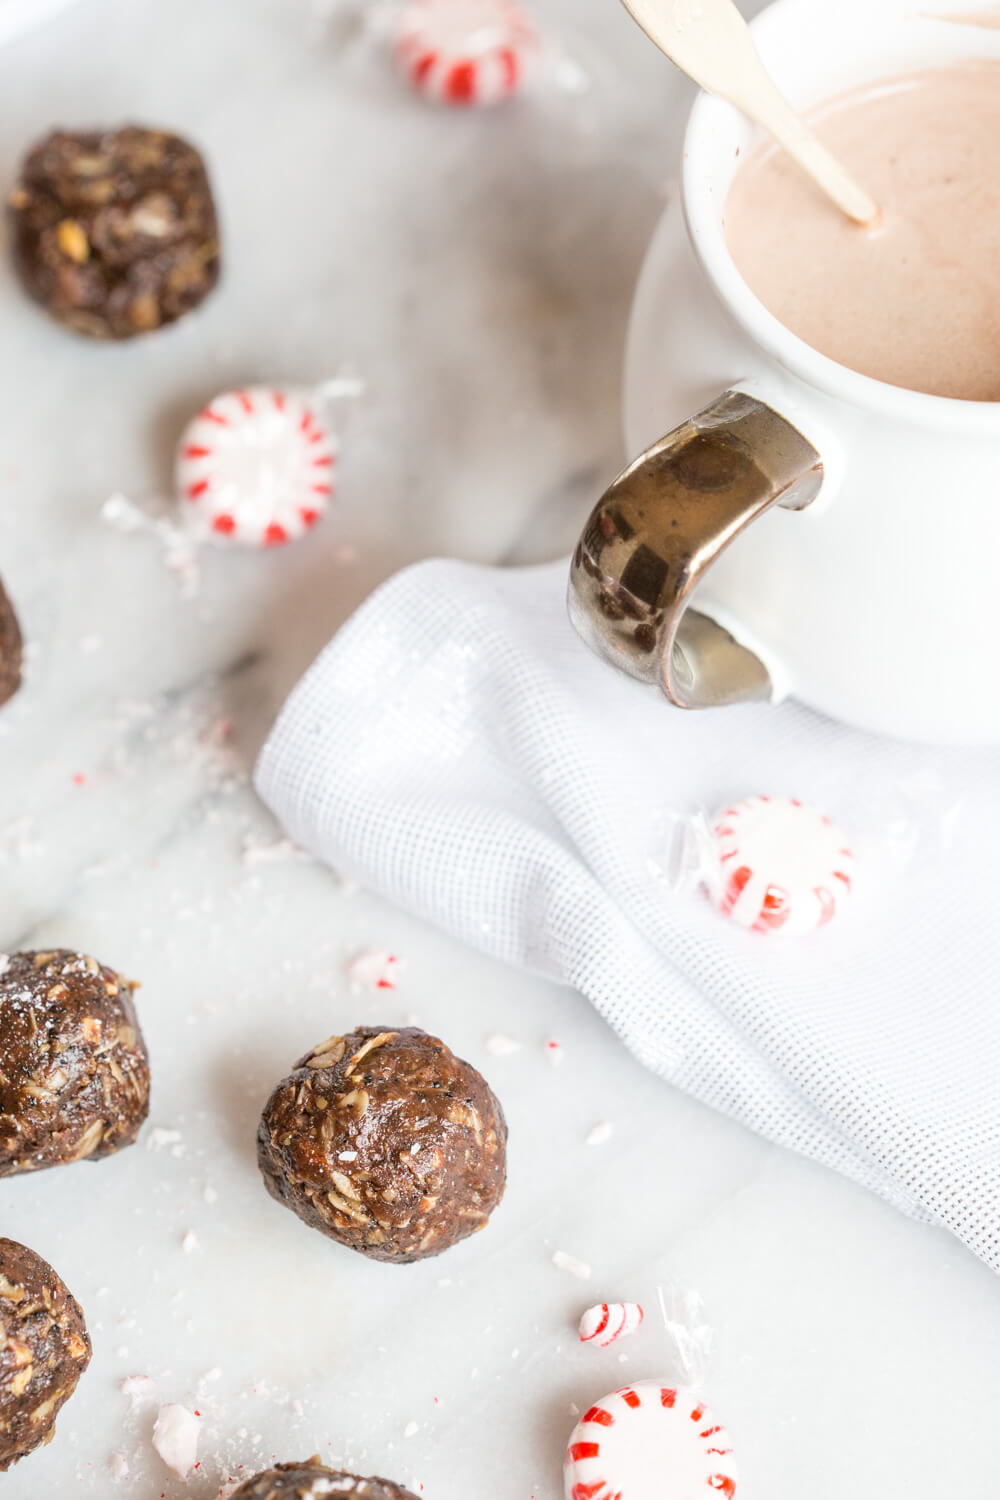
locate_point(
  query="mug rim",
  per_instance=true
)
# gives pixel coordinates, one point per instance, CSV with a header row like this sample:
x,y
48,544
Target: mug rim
x,y
704,217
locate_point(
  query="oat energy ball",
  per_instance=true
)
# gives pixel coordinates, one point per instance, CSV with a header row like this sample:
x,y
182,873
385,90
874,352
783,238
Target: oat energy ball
x,y
387,1142
305,1480
115,231
74,1076
44,1349
10,649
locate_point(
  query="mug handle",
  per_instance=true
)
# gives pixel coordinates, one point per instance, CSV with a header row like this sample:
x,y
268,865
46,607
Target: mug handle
x,y
658,528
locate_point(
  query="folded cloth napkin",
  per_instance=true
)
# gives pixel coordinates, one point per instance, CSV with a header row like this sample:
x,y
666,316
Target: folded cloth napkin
x,y
458,749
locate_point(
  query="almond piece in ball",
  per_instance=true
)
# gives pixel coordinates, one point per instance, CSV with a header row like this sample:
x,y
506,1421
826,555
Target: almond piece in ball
x,y
74,1075
387,1142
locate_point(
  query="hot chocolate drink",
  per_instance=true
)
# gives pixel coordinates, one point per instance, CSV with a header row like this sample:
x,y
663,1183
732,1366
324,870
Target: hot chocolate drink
x,y
916,301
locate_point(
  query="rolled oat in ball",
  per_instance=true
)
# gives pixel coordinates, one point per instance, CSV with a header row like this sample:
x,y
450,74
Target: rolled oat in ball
x,y
44,1349
306,1480
115,231
387,1142
10,649
74,1075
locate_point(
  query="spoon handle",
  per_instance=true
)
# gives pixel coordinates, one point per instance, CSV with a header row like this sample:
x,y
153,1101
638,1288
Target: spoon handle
x,y
759,97
710,41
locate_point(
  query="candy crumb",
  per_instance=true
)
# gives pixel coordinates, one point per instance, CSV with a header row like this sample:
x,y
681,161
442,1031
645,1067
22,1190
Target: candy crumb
x,y
373,970
601,1133
137,1388
569,1263
502,1046
175,1438
160,1138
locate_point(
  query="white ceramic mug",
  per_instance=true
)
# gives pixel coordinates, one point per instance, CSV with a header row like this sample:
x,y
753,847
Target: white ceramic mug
x,y
852,559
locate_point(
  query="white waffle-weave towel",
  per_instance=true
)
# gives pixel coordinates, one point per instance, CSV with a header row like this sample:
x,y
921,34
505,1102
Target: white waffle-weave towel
x,y
458,749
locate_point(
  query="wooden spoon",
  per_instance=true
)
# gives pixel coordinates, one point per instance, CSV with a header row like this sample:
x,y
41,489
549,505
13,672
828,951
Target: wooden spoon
x,y
710,41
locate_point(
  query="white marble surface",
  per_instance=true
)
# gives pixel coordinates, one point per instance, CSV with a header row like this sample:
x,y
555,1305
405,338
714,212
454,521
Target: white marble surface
x,y
477,272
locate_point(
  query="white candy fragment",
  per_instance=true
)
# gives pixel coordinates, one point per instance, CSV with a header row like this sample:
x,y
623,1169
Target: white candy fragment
x,y
175,1438
373,970
137,1388
569,1263
601,1133
502,1046
159,1138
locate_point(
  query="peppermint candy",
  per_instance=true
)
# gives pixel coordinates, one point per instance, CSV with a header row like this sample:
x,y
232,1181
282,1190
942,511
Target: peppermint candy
x,y
465,51
607,1322
648,1442
781,866
256,467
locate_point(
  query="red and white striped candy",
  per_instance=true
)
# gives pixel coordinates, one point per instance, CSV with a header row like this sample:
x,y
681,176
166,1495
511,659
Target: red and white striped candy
x,y
465,51
649,1442
255,466
607,1322
782,866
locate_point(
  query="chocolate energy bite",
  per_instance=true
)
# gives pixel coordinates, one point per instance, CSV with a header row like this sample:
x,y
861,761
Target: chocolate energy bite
x,y
10,649
115,231
305,1480
44,1349
74,1075
387,1142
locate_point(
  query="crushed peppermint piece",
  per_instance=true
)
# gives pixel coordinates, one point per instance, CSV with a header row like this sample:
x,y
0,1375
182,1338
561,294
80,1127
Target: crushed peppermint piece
x,y
372,970
347,1156
555,1052
190,1243
264,852
118,1465
175,1438
607,1322
411,1429
570,1264
601,1133
502,1046
159,1138
137,1388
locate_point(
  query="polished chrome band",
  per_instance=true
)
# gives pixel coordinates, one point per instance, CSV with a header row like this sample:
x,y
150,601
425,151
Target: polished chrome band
x,y
657,529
